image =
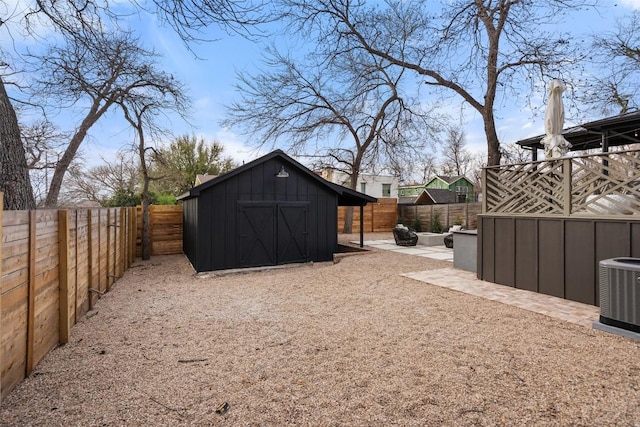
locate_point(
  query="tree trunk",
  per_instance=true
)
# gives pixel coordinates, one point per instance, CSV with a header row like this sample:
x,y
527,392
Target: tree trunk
x,y
70,153
493,144
347,228
146,241
15,182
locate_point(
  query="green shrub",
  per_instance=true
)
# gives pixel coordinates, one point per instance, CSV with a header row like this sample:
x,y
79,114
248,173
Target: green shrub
x,y
416,225
436,227
166,199
122,197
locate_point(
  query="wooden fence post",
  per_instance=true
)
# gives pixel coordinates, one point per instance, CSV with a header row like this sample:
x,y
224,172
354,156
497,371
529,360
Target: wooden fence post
x,y
151,223
31,310
122,229
101,274
566,170
63,275
90,284
431,218
75,270
1,209
372,217
484,191
132,234
108,272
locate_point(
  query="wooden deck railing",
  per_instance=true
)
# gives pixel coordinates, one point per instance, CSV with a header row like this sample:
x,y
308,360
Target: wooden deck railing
x,y
604,184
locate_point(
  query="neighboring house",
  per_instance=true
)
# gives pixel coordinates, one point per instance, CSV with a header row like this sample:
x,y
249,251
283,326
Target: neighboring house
x,y
378,186
440,189
200,179
458,185
410,190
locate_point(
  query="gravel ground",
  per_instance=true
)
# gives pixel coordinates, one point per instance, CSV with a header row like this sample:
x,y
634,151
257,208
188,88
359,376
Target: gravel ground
x,y
351,343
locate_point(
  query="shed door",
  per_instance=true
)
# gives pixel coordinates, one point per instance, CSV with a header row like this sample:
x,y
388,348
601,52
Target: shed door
x,y
272,233
256,232
292,232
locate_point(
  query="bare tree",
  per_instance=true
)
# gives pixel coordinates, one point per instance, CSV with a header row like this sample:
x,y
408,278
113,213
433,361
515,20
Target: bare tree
x,y
616,56
476,50
99,183
428,168
41,140
44,144
102,72
479,162
189,18
135,117
456,159
80,21
355,99
513,153
145,112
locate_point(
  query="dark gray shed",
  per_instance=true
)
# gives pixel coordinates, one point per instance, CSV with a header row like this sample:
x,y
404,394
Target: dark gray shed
x,y
270,211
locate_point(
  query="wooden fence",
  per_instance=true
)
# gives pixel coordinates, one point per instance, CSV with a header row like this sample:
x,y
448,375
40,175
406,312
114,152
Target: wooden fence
x,y
55,265
381,216
465,213
165,229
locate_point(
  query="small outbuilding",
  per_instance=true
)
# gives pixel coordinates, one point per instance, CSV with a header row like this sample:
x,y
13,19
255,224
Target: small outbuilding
x,y
270,211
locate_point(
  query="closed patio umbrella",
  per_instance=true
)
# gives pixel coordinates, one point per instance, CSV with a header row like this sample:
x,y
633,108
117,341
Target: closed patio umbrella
x,y
555,145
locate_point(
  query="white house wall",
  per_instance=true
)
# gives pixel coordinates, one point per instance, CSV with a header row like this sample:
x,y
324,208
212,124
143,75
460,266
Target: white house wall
x,y
373,183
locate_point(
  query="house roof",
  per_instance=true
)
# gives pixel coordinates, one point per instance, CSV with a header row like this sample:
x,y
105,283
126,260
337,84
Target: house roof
x,y
407,200
346,196
441,195
422,199
616,130
449,179
411,186
200,178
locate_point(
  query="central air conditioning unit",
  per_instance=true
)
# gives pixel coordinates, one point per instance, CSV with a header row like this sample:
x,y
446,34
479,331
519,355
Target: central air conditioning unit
x,y
620,293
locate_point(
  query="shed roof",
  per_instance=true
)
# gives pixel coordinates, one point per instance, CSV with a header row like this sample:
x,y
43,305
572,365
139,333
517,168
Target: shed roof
x,y
406,200
441,195
422,199
616,130
346,196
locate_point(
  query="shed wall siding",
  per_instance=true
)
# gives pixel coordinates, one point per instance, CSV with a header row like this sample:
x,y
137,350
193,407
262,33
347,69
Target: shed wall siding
x,y
190,230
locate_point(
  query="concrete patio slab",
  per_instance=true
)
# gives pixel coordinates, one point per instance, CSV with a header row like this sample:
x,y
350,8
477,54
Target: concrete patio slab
x,y
467,282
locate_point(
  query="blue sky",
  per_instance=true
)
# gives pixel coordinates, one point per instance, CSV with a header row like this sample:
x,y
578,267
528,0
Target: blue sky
x,y
211,79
